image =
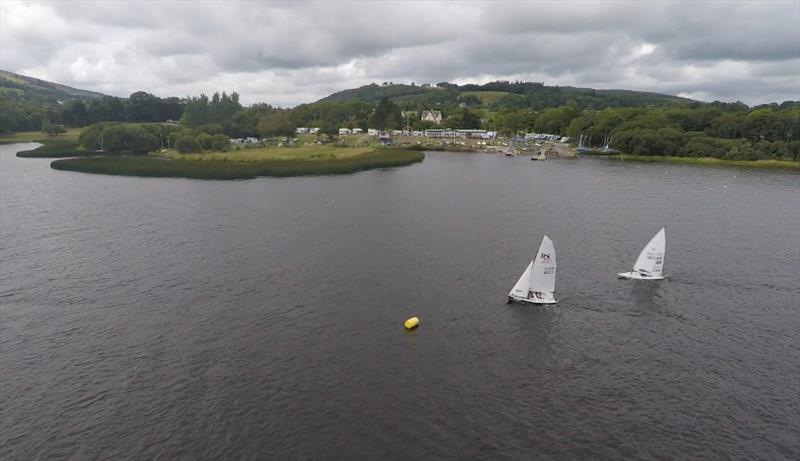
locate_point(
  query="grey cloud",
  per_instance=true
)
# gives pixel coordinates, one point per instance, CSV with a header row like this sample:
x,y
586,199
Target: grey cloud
x,y
293,52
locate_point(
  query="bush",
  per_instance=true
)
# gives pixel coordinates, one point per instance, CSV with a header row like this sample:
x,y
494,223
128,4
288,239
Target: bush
x,y
187,145
220,142
204,139
90,136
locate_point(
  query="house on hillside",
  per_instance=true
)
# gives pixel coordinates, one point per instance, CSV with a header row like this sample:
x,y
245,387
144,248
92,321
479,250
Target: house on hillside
x,y
344,131
372,131
357,131
434,116
301,130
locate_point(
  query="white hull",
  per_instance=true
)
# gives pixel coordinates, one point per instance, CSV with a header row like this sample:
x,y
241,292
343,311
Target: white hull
x,y
547,298
639,276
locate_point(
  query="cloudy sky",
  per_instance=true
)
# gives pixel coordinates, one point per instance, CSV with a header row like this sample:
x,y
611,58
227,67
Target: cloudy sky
x,y
290,53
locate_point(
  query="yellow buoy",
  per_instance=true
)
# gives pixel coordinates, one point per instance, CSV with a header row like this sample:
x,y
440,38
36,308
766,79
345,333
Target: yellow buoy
x,y
411,323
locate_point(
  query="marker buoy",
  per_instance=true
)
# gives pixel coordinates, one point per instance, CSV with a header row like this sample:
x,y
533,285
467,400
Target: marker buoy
x,y
411,323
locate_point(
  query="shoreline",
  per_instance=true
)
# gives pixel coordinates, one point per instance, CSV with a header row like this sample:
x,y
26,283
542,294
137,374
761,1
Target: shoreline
x,y
60,146
771,164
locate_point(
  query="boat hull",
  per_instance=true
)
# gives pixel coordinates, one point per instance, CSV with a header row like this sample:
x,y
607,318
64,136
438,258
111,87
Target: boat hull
x,y
639,276
517,299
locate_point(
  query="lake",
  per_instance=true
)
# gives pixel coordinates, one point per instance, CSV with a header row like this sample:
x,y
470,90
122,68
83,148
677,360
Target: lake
x,y
184,319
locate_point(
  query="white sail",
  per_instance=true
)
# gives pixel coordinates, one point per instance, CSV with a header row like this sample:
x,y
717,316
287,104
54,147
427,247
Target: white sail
x,y
523,284
651,259
543,272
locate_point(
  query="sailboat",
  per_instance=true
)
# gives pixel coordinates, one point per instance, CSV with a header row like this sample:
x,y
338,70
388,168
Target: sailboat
x,y
538,283
650,263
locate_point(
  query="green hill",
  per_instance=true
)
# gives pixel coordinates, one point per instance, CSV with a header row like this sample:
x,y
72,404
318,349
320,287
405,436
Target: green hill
x,y
506,95
22,88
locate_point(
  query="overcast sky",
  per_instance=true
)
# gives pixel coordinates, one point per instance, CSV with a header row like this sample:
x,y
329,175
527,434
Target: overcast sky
x,y
290,53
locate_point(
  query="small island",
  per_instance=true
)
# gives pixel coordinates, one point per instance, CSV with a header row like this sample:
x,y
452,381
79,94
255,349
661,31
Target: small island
x,y
245,164
166,150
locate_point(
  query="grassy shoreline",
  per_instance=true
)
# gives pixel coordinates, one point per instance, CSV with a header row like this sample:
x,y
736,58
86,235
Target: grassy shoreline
x,y
708,161
60,146
225,170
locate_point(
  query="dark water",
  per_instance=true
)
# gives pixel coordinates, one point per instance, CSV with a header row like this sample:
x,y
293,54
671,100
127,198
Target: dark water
x,y
182,319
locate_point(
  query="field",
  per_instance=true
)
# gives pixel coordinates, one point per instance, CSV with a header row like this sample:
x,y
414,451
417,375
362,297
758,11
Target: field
x,y
217,165
260,154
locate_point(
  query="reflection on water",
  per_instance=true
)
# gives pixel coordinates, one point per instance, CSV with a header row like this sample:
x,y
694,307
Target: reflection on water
x,y
646,293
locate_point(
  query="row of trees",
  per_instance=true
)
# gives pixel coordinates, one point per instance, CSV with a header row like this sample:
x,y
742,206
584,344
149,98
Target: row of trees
x,y
115,137
118,138
21,115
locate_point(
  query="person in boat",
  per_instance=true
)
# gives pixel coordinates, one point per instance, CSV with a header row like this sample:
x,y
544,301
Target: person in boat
x,y
534,294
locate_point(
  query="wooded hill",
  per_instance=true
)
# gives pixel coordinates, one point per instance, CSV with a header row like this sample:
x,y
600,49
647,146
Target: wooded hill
x,y
505,95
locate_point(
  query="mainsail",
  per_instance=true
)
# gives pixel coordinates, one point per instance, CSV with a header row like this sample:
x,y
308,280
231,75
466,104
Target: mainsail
x,y
651,259
543,272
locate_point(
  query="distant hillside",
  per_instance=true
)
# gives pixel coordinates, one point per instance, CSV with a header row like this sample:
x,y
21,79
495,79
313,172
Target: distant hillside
x,y
22,88
506,95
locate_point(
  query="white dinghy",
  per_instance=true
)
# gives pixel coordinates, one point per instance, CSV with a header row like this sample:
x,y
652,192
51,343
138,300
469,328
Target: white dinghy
x,y
650,263
538,283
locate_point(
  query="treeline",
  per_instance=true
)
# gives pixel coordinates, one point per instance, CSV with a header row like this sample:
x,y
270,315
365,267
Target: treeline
x,y
729,132
19,114
128,138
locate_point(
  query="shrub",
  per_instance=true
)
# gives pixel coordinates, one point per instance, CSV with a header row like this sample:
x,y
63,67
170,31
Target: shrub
x,y
204,139
220,142
187,144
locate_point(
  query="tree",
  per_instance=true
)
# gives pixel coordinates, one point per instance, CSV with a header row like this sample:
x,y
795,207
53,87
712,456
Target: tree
x,y
187,144
143,107
275,123
386,116
464,119
75,114
52,129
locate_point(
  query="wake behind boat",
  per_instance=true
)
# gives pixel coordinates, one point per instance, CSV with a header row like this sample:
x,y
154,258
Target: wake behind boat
x,y
650,263
538,283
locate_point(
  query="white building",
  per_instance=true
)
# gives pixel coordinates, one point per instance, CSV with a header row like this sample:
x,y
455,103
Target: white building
x,y
344,131
434,116
314,130
372,132
448,133
357,131
301,130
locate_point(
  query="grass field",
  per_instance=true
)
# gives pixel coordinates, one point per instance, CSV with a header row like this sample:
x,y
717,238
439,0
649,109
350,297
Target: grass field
x,y
38,136
260,154
710,161
276,165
